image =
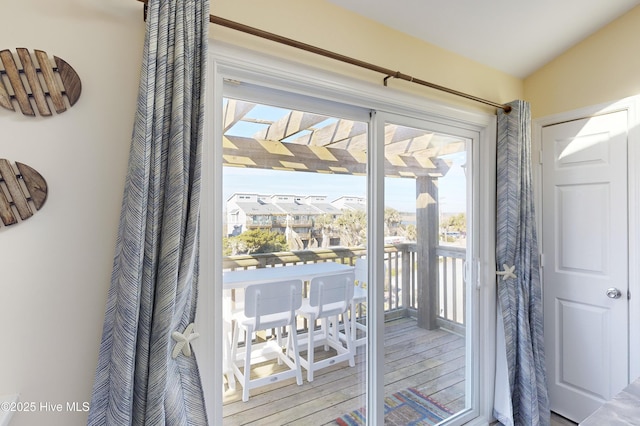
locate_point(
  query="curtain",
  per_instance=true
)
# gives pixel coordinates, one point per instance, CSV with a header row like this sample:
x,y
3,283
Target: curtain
x,y
521,386
146,373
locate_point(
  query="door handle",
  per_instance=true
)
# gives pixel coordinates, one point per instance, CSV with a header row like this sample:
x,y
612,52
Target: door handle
x,y
614,293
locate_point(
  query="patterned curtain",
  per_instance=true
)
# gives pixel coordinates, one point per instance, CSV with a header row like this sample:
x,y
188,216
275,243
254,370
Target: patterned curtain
x,y
521,386
146,373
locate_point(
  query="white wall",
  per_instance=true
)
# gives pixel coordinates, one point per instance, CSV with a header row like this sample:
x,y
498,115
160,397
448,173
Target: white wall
x,y
55,267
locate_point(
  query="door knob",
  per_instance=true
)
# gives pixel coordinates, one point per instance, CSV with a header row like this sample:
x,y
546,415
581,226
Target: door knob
x,y
614,293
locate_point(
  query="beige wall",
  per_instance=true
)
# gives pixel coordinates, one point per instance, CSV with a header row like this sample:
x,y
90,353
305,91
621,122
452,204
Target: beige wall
x,y
326,25
56,266
604,67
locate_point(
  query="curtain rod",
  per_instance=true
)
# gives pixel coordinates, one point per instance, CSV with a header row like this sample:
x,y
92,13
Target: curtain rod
x,y
342,58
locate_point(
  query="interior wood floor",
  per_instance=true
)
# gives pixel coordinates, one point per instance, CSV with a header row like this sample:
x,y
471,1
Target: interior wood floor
x,y
431,361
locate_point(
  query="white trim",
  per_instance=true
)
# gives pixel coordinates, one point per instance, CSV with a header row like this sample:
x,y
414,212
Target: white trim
x,y
632,106
375,238
241,64
209,347
232,63
486,317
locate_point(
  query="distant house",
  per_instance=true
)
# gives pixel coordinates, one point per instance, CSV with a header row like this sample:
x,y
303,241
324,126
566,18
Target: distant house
x,y
351,203
299,213
250,211
320,202
277,211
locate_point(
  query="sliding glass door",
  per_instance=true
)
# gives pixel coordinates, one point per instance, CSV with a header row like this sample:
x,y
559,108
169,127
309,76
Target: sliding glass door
x,y
294,198
303,184
314,187
427,244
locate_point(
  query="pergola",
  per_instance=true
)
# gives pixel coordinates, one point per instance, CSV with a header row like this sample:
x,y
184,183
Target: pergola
x,y
307,142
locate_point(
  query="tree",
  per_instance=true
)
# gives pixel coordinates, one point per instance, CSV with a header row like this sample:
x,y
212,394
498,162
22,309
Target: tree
x,y
457,222
392,220
324,222
255,241
454,227
352,227
411,232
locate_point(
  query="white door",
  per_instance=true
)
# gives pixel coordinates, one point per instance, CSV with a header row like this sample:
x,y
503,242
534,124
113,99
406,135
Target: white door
x,y
585,251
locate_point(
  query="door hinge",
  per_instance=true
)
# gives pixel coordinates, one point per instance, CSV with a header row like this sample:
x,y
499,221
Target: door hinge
x,y
541,260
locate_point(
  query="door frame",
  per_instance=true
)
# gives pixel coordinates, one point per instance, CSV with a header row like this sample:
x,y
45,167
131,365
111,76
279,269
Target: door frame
x,y
632,107
229,62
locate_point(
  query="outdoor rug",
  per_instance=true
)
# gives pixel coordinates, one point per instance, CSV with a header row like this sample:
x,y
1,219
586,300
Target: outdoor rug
x,y
406,408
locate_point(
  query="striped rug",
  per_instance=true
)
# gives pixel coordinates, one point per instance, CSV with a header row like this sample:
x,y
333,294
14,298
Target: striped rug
x,y
408,407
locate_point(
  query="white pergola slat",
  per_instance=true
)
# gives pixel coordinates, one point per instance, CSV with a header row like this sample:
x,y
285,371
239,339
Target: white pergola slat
x,y
235,111
290,124
248,152
294,141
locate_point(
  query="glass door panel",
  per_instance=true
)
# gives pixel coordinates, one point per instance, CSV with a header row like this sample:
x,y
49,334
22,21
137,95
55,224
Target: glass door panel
x,y
294,188
424,293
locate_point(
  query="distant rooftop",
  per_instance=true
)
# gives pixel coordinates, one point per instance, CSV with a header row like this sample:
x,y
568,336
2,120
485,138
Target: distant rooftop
x,y
280,204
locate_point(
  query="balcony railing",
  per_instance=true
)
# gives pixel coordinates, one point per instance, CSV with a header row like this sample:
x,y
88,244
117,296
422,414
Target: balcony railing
x,y
401,282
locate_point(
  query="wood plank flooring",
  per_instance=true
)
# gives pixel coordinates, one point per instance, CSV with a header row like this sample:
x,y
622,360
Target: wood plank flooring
x,y
431,361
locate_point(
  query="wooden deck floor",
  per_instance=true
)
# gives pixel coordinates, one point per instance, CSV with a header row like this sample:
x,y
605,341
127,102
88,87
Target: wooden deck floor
x,y
431,361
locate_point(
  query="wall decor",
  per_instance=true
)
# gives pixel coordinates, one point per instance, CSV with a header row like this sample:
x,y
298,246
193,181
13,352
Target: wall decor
x,y
35,77
20,190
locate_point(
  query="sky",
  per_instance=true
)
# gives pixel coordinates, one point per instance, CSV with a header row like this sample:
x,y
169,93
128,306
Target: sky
x,y
399,193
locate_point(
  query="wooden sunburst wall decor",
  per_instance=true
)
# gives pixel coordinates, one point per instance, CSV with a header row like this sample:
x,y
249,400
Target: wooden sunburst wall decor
x,y
35,80
21,191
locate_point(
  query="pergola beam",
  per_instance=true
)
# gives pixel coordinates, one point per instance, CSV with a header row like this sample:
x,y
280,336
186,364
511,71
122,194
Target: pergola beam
x,y
289,124
335,132
247,152
235,111
343,134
